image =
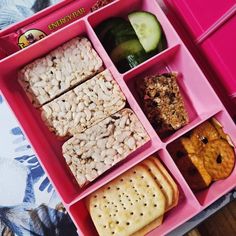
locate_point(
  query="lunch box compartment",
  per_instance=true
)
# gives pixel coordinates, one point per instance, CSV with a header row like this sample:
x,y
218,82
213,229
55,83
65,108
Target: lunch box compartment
x,y
186,207
199,97
190,82
217,188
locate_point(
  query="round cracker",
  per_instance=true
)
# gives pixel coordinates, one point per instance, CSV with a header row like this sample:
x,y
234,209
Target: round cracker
x,y
219,159
203,134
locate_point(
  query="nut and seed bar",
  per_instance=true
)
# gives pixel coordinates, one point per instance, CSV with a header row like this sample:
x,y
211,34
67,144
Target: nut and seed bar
x,y
84,106
163,103
58,71
91,153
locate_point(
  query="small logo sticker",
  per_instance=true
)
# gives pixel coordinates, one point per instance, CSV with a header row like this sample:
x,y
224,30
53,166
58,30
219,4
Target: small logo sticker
x,y
30,37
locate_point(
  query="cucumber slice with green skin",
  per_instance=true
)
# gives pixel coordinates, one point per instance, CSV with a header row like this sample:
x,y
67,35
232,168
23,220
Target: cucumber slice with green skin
x,y
132,46
121,33
162,44
108,24
147,28
128,63
117,35
132,61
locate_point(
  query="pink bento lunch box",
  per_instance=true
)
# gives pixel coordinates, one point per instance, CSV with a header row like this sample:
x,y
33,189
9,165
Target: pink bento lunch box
x,y
201,102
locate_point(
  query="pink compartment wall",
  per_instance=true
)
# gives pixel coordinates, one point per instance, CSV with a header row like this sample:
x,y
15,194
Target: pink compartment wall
x,y
201,102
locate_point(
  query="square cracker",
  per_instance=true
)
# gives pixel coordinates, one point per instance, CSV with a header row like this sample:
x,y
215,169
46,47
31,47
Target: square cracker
x,y
170,179
146,229
175,194
126,204
161,180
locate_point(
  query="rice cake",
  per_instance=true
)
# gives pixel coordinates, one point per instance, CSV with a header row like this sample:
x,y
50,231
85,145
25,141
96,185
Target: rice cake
x,y
60,70
91,153
84,106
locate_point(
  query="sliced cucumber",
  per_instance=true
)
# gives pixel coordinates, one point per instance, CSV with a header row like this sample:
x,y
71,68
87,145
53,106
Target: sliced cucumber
x,y
128,63
162,44
130,47
121,33
138,58
108,24
132,61
117,35
147,29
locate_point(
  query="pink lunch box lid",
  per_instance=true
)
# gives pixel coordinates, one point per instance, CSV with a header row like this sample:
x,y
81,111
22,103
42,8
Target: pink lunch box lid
x,y
200,15
211,25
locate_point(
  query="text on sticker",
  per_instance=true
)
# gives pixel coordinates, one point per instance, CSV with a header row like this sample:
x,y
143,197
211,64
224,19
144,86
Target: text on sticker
x,y
66,19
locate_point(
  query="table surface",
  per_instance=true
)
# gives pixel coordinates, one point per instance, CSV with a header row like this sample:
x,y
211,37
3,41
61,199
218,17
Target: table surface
x,y
32,192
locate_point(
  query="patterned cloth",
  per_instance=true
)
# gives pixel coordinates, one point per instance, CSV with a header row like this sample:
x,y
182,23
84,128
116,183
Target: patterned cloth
x,y
28,203
12,11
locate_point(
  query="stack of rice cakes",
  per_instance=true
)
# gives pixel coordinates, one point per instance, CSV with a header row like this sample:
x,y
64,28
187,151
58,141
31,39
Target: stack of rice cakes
x,y
79,99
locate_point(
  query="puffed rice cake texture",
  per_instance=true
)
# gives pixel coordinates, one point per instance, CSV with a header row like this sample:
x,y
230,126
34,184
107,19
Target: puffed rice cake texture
x,y
91,153
84,106
60,70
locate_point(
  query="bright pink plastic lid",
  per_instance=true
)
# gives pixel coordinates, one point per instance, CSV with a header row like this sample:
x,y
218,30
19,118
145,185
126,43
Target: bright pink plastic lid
x,y
211,25
199,15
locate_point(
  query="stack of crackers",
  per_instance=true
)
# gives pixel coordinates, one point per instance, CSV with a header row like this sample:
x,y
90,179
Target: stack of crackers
x,y
135,202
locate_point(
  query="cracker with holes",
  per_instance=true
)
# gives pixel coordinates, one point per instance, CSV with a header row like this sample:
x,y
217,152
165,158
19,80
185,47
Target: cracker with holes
x,y
146,229
61,69
84,106
190,163
169,179
221,132
160,180
91,153
193,171
127,204
204,155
